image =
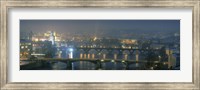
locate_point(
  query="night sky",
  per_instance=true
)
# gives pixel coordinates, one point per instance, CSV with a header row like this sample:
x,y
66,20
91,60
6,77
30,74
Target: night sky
x,y
96,26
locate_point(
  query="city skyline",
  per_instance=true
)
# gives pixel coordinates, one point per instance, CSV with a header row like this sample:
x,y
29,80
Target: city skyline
x,y
100,44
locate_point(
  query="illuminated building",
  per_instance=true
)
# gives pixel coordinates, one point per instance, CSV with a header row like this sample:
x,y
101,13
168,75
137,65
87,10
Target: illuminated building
x,y
52,38
41,48
25,49
48,36
173,58
128,41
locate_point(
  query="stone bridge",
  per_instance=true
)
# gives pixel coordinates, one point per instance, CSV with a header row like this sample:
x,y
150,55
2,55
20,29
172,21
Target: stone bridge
x,y
97,62
111,53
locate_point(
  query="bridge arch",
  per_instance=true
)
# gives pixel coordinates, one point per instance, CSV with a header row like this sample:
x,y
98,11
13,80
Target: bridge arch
x,y
136,55
126,54
115,54
82,53
103,53
92,53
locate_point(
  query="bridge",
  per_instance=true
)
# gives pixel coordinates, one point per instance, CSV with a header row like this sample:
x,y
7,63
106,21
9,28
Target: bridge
x,y
110,53
97,62
117,48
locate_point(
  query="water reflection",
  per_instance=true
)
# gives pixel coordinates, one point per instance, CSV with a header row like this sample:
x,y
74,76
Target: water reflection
x,y
113,66
84,65
59,66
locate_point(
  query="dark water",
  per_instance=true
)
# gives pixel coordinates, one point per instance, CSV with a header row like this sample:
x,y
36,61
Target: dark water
x,y
84,65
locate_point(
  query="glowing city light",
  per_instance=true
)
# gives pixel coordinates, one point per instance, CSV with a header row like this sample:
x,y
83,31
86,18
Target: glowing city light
x,y
71,50
95,38
71,53
36,40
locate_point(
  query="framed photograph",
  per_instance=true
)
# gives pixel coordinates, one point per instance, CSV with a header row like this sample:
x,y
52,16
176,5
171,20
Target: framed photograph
x,y
121,44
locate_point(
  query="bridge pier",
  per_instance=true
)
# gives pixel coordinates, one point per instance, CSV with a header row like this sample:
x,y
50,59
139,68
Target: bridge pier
x,y
125,56
69,65
137,57
93,56
81,56
98,65
104,56
85,56
115,56
59,55
127,65
88,56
